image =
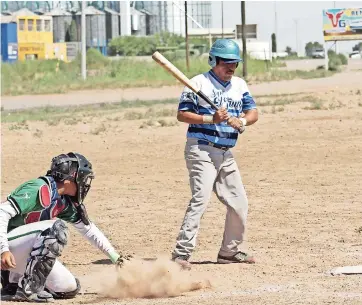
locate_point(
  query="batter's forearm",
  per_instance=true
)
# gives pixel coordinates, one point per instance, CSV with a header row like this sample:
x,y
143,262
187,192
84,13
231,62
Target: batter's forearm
x,y
190,117
251,116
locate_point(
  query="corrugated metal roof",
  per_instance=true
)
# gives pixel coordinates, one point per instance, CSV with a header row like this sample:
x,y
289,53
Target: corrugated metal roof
x,y
6,13
58,12
23,12
110,11
137,12
8,19
91,10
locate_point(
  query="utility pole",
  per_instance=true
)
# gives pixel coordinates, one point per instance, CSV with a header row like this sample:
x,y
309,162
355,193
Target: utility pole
x,y
243,22
275,25
187,39
83,38
296,35
173,19
335,43
222,19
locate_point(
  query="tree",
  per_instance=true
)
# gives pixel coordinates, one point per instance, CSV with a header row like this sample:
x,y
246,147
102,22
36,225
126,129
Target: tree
x,y
288,50
317,45
274,43
357,47
311,46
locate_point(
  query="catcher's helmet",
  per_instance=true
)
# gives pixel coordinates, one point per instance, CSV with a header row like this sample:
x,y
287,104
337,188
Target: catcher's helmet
x,y
225,49
74,167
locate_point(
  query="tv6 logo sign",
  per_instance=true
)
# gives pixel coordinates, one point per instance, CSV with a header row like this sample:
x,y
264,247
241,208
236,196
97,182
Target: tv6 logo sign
x,y
342,23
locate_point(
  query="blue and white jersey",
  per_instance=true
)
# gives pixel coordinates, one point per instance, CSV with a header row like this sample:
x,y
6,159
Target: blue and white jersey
x,y
233,95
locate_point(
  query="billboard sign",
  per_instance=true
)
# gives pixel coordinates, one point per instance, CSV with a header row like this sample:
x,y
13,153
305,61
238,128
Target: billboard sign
x,y
342,24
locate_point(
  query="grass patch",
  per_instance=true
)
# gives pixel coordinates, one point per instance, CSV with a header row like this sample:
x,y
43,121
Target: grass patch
x,y
41,76
71,121
278,102
277,75
21,125
360,104
315,105
158,123
54,121
38,133
100,129
53,115
335,105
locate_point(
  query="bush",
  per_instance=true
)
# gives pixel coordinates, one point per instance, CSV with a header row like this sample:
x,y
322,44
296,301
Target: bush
x,y
334,63
132,46
95,59
141,46
336,60
343,59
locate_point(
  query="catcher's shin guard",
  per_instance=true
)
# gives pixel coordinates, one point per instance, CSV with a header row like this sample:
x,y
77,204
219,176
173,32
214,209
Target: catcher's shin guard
x,y
48,246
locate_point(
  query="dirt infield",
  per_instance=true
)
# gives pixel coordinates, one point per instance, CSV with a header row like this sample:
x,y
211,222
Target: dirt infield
x,y
302,172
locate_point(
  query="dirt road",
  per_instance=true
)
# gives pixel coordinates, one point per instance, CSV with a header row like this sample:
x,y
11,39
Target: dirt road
x,y
346,80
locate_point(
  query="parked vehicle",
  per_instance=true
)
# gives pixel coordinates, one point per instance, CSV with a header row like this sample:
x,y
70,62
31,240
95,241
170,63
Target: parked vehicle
x,y
356,26
318,53
355,54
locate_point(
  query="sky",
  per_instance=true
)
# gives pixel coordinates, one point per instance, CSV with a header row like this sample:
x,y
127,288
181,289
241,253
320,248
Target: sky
x,y
307,15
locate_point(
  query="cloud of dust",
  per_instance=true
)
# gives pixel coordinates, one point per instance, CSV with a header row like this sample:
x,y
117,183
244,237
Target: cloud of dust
x,y
151,279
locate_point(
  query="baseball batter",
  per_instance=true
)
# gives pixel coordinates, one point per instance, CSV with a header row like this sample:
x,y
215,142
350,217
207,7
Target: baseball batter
x,y
31,239
211,165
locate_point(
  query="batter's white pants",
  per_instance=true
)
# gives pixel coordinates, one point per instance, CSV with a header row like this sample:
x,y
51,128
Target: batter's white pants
x,y
21,241
212,169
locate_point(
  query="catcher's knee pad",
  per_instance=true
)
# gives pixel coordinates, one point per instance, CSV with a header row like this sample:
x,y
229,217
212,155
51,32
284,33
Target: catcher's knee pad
x,y
68,294
51,241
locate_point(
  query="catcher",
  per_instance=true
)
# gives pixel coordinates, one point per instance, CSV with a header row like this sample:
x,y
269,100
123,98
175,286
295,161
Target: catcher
x,y
31,240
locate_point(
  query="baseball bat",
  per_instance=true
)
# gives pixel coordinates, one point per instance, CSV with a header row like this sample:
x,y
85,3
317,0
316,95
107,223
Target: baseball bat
x,y
169,67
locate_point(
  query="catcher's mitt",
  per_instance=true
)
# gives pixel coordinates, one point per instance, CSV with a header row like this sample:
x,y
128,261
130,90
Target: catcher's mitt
x,y
122,259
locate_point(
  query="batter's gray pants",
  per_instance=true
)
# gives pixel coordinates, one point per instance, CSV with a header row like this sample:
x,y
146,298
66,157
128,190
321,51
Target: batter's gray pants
x,y
213,169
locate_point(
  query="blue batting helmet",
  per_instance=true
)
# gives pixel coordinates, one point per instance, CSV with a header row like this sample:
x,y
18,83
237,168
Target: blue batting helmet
x,y
225,49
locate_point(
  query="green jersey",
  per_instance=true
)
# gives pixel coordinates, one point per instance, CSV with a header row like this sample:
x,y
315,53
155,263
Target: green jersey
x,y
38,200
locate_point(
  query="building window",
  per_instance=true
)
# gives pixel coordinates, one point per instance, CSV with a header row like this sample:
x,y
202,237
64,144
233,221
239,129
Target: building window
x,y
30,24
38,25
21,24
47,25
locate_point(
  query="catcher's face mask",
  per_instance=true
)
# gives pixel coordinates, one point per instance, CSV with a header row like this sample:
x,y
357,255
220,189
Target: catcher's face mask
x,y
83,177
74,167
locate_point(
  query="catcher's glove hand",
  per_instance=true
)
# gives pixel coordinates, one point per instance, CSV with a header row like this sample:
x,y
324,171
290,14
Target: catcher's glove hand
x,y
122,259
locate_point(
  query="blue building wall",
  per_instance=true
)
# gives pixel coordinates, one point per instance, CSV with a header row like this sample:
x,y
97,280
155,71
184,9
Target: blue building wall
x,y
9,42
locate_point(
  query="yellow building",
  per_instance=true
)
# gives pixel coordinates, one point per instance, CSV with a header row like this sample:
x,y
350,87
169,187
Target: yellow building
x,y
35,39
32,50
38,29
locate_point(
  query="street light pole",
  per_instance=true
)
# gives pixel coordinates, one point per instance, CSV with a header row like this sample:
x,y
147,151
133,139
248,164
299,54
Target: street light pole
x,y
222,19
187,39
275,25
83,38
243,22
296,35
